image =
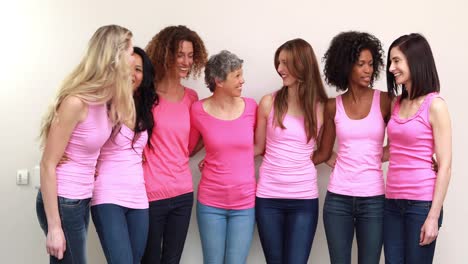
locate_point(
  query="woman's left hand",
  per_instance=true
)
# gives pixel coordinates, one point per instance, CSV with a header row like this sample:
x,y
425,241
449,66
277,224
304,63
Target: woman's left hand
x,y
429,231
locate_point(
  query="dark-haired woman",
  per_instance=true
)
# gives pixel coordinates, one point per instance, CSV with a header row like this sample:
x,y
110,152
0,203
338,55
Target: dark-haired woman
x,y
357,118
176,53
288,125
119,206
419,127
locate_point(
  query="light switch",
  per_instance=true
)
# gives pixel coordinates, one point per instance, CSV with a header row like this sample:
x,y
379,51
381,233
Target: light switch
x,y
22,177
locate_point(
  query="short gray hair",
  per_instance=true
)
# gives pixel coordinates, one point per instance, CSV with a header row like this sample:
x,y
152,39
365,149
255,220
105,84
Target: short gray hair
x,y
219,66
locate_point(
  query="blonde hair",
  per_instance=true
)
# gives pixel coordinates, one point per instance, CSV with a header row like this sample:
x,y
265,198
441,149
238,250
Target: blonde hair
x,y
103,76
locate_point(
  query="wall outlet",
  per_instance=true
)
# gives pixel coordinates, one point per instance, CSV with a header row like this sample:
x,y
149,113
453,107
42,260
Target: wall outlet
x,y
22,177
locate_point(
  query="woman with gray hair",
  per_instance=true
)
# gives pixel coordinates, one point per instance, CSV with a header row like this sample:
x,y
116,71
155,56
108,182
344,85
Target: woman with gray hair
x,y
226,193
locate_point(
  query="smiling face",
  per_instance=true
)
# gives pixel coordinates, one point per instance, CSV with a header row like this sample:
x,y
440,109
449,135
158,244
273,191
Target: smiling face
x,y
137,76
288,79
399,68
232,86
184,59
363,68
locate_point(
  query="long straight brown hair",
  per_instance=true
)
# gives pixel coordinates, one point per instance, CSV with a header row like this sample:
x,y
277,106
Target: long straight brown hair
x,y
302,64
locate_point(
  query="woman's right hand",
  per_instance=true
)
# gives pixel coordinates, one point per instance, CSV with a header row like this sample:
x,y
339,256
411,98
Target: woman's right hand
x,y
63,160
332,160
435,165
55,242
201,164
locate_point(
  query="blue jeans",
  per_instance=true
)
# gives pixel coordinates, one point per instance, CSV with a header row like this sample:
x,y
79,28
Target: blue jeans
x,y
226,235
286,228
122,232
168,226
342,214
403,220
74,217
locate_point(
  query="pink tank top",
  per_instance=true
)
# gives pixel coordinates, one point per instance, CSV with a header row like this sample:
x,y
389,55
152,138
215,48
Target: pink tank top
x,y
120,171
358,167
410,175
287,171
75,178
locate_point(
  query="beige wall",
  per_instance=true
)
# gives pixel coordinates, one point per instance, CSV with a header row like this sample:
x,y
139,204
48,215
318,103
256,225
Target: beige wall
x,y
42,40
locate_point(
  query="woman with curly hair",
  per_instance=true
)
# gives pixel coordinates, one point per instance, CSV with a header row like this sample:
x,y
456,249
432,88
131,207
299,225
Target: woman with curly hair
x,y
96,95
419,127
288,125
119,206
176,53
357,118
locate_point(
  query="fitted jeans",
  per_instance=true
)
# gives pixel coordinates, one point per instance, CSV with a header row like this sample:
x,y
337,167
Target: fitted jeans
x,y
168,225
286,228
74,217
342,216
403,220
225,234
122,232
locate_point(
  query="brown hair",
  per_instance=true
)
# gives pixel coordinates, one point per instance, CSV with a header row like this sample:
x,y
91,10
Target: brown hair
x,y
163,48
302,64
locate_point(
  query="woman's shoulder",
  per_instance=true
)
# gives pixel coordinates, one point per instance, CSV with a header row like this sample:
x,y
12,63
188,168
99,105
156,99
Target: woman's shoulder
x,y
250,101
438,103
267,100
191,94
196,105
73,103
266,103
74,106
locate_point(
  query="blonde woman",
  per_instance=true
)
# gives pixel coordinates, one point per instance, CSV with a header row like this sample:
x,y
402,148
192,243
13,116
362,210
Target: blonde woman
x,y
96,95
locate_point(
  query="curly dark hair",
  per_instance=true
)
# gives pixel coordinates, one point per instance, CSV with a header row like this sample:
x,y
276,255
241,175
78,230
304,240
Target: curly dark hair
x,y
344,52
163,47
145,97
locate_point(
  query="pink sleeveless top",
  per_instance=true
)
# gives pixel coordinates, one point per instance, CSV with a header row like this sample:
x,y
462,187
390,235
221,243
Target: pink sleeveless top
x,y
75,178
287,171
358,167
120,171
410,175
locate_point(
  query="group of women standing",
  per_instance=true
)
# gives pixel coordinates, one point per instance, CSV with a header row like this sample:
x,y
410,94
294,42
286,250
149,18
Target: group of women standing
x,y
125,152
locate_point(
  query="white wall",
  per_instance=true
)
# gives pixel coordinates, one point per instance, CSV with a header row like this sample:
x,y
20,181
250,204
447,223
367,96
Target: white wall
x,y
42,40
